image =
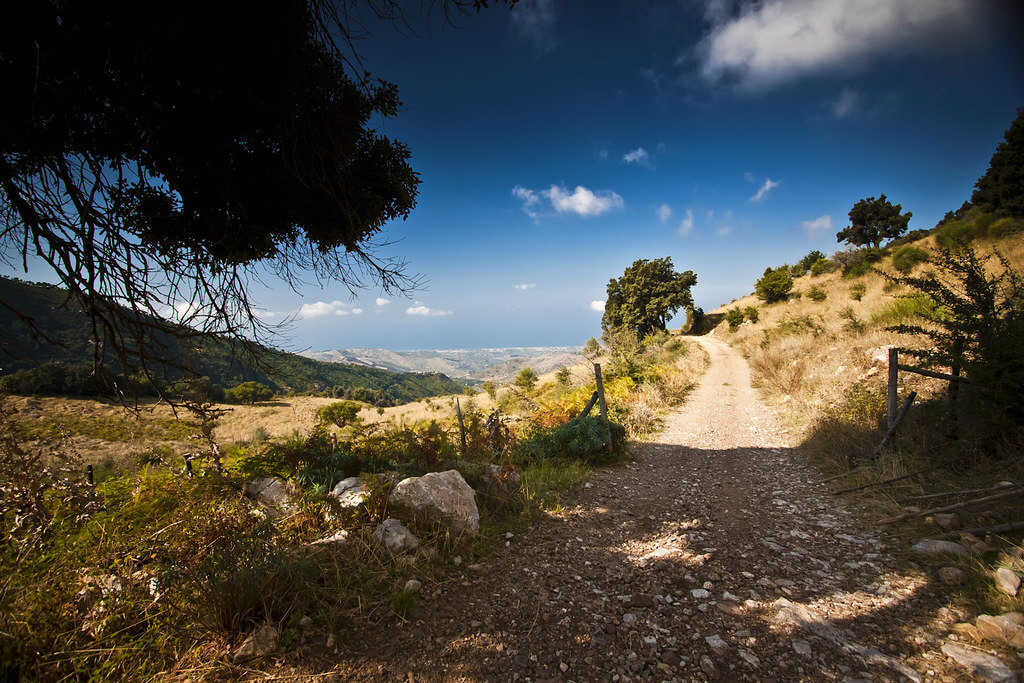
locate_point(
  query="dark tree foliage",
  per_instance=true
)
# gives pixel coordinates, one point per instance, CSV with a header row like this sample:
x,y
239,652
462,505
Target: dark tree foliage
x,y
646,297
873,220
1002,186
978,327
159,156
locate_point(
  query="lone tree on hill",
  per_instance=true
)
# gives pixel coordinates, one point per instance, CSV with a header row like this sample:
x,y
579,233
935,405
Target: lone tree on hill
x,y
646,297
1002,186
873,220
160,156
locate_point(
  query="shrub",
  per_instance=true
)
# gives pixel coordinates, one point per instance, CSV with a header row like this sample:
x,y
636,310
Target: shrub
x,y
807,262
1006,226
582,439
857,262
822,266
250,392
491,390
905,309
340,414
853,323
955,235
907,257
816,293
526,379
735,318
775,285
858,290
750,312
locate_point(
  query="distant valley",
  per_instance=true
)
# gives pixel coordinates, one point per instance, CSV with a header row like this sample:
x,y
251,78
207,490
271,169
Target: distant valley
x,y
496,365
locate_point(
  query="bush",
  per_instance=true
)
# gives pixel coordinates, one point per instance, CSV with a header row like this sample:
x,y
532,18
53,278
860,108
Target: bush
x,y
775,285
858,290
526,379
1006,226
822,266
955,235
853,323
750,312
250,392
582,439
735,319
339,414
907,257
857,262
808,261
816,293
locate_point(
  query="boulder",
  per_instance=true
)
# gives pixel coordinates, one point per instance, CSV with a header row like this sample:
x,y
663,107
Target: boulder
x,y
1001,629
393,535
438,497
985,666
948,521
350,493
273,492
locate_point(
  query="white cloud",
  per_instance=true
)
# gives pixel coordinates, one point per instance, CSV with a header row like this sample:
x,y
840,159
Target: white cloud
x,y
723,230
686,225
779,41
819,224
534,21
597,306
426,310
664,212
525,286
381,301
582,201
638,156
320,308
768,186
847,104
357,311
529,199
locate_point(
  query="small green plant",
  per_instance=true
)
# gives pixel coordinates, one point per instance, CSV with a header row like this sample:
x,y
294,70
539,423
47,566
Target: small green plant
x,y
526,379
906,257
822,266
816,293
750,313
340,413
563,377
853,323
1005,227
403,602
858,290
734,318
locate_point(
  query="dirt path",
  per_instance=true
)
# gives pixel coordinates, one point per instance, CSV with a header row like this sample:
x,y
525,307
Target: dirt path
x,y
713,555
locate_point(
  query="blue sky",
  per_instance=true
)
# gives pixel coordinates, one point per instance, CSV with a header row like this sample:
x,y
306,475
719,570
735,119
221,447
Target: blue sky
x,y
562,140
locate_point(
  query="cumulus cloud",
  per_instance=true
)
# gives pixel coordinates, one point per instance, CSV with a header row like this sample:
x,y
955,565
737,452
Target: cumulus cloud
x,y
597,306
381,301
321,308
582,201
426,310
768,186
526,286
818,225
664,212
638,156
778,41
686,225
534,21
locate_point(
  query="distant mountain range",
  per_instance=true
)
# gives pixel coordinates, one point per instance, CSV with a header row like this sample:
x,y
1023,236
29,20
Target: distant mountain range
x,y
496,365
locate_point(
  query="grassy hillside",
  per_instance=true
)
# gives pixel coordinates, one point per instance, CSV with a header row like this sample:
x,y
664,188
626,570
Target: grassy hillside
x,y
63,340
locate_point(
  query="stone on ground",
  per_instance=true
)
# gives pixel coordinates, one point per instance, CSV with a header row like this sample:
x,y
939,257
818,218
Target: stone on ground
x,y
438,497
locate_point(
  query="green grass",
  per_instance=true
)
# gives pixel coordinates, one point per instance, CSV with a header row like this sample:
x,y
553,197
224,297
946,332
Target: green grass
x,y
115,428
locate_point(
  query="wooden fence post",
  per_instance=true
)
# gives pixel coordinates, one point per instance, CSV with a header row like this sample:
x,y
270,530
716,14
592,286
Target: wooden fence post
x,y
894,365
604,406
462,427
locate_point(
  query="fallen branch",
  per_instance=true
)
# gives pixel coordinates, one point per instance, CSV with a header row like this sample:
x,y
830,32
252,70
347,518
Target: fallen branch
x,y
956,506
958,493
843,474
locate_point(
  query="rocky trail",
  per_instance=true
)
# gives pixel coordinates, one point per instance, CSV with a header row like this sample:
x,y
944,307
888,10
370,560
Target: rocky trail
x,y
715,554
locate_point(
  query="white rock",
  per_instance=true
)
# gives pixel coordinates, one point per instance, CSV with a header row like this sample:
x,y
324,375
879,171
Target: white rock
x,y
392,534
1007,581
932,547
700,593
339,537
413,586
442,497
259,644
350,493
717,645
271,491
802,648
991,669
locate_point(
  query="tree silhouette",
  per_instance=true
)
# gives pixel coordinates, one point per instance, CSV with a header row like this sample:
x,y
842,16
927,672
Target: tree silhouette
x,y
873,220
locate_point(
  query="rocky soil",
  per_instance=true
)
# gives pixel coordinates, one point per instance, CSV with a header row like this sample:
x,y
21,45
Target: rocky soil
x,y
714,555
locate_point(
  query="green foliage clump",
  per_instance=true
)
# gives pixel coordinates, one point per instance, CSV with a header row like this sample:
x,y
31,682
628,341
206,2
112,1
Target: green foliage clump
x,y
646,296
822,266
340,414
978,327
873,220
858,290
804,265
1003,227
905,309
775,285
857,262
563,376
906,257
817,293
491,390
853,323
751,314
250,392
956,235
791,326
591,349
526,379
1002,186
735,318
583,440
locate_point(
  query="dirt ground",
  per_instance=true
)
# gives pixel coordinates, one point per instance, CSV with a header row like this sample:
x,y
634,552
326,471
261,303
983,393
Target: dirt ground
x,y
715,554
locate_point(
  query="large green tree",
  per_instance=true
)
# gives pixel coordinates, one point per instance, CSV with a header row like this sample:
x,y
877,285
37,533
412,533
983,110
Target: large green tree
x,y
646,297
159,156
873,220
1002,186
